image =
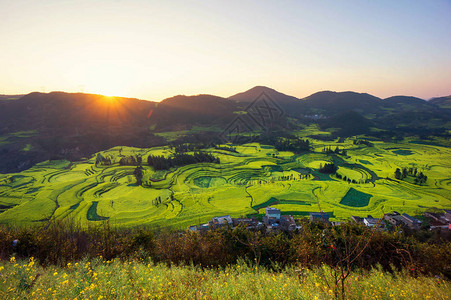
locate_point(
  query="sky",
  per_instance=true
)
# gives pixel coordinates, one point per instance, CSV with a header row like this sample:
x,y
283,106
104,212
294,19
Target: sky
x,y
157,49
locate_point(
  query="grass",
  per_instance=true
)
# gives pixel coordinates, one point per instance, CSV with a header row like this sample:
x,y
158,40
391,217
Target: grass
x,y
244,180
135,279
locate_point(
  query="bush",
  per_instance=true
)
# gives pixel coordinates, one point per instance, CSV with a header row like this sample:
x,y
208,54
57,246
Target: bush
x,y
316,244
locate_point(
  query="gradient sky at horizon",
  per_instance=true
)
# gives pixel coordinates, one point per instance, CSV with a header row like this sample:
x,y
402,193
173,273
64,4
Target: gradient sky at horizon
x,y
156,49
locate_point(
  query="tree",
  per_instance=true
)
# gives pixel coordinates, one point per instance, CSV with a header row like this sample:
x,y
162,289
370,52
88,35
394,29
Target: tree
x,y
398,174
328,168
138,175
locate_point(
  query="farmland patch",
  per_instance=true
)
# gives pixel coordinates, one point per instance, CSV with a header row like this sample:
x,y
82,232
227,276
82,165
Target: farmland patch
x,y
356,198
403,152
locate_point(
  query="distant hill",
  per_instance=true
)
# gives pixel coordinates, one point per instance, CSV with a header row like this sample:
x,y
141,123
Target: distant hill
x,y
348,124
185,111
408,103
442,102
291,105
58,125
10,97
71,113
331,103
255,92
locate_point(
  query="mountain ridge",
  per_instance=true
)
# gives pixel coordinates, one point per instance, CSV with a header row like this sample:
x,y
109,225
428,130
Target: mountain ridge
x,y
59,125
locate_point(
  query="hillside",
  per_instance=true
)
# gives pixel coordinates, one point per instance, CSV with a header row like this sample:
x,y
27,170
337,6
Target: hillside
x,y
182,112
241,182
10,97
348,123
443,102
57,125
291,105
253,93
330,103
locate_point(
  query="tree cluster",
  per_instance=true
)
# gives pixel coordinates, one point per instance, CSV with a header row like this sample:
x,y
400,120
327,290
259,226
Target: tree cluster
x,y
130,160
226,148
420,178
363,142
102,160
294,145
180,159
186,147
138,173
328,168
349,180
156,201
328,150
285,142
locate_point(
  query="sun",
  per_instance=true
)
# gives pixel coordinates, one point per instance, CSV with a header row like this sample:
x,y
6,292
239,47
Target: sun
x,y
110,98
109,81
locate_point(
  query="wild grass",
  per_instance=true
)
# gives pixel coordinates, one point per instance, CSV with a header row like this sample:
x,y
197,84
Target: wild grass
x,y
142,279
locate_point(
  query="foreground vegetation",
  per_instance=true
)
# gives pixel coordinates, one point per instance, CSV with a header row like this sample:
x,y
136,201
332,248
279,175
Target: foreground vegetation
x,y
65,260
347,246
114,279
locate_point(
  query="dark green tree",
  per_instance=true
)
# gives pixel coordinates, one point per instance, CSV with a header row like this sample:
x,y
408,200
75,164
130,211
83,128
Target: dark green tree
x,y
139,173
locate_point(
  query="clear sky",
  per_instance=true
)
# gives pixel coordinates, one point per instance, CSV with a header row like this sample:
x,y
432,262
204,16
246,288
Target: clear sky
x,y
156,49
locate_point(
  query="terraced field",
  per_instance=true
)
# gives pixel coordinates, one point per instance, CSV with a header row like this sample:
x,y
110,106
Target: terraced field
x,y
244,183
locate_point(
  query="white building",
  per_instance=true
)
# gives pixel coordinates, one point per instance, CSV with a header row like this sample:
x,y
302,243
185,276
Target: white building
x,y
273,213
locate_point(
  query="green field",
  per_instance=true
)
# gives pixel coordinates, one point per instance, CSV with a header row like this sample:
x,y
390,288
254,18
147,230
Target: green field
x,y
244,183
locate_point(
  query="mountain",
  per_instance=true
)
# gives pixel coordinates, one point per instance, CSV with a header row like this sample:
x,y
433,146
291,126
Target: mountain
x,y
348,123
408,103
291,106
10,97
255,92
68,113
185,111
60,125
442,102
330,103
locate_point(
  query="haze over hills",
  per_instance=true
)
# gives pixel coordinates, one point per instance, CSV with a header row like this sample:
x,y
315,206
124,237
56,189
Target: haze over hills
x,y
72,126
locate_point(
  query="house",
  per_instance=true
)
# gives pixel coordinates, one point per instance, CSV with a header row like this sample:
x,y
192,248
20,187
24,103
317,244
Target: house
x,y
448,215
287,223
204,227
221,221
370,221
357,219
272,216
435,216
193,228
248,223
438,225
319,217
437,221
394,218
411,221
273,213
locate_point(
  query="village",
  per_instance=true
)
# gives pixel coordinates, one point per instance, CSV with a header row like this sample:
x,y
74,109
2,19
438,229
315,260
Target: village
x,y
275,221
